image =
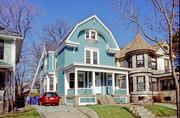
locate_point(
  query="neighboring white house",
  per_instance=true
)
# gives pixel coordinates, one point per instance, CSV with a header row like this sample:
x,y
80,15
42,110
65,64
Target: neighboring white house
x,y
10,46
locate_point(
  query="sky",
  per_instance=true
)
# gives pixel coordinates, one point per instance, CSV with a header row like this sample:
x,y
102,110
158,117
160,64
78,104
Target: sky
x,y
75,11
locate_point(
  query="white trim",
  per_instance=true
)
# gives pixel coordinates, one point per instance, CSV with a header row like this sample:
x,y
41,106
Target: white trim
x,y
91,55
10,36
90,33
92,103
94,16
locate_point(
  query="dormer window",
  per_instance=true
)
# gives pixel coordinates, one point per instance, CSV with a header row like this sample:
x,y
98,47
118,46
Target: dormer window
x,y
91,34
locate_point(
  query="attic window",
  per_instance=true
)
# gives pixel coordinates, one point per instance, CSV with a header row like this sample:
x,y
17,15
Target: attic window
x,y
165,47
91,34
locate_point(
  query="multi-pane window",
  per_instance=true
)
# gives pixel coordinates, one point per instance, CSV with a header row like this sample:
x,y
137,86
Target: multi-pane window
x,y
166,85
95,59
141,83
91,56
91,34
51,83
1,49
88,57
139,60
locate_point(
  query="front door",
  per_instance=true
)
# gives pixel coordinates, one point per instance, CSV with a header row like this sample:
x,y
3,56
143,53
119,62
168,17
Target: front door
x,y
98,83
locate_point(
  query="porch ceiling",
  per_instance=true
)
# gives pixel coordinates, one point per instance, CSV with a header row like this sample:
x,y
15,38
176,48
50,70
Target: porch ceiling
x,y
100,68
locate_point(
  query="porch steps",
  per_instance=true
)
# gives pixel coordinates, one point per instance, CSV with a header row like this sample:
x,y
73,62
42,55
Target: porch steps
x,y
141,111
105,99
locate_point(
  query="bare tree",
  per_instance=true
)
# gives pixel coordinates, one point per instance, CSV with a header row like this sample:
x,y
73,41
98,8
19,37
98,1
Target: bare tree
x,y
56,32
17,17
163,19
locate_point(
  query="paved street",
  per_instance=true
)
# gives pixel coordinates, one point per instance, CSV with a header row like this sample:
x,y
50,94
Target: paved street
x,y
60,112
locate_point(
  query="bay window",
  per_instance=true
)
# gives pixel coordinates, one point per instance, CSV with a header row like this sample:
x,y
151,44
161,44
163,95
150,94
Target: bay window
x,y
139,60
141,83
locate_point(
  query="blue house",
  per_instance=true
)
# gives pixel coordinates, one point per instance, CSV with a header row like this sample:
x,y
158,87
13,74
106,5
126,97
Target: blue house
x,y
83,70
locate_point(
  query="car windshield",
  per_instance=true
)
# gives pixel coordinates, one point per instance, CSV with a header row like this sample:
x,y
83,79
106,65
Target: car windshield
x,y
50,94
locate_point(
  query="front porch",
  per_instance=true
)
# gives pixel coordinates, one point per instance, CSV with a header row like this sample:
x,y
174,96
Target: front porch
x,y
84,81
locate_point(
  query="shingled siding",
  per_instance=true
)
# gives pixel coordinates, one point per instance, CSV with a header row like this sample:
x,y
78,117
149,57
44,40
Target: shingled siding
x,y
8,52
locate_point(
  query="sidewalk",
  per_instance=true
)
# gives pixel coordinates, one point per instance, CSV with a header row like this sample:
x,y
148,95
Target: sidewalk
x,y
172,106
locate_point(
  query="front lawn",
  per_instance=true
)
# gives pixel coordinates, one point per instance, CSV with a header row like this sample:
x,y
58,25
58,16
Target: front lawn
x,y
110,111
161,111
29,112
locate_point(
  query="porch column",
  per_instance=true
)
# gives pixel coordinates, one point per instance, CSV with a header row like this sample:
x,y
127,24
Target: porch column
x,y
76,81
127,84
93,83
65,84
113,83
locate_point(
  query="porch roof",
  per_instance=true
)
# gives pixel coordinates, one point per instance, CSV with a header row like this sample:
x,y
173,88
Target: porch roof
x,y
4,65
101,68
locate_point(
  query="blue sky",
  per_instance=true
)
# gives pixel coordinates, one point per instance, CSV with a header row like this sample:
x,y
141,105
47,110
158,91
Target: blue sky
x,y
75,11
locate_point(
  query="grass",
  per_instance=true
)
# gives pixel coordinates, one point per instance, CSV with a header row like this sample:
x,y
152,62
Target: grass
x,y
110,111
28,112
161,111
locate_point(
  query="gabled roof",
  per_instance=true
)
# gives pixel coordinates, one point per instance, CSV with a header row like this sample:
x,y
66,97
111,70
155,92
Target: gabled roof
x,y
86,20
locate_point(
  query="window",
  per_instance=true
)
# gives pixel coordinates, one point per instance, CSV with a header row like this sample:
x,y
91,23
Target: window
x,y
2,83
91,34
81,80
166,65
153,63
167,85
141,83
152,84
131,84
95,57
1,49
122,83
88,57
51,83
129,62
139,60
92,56
71,83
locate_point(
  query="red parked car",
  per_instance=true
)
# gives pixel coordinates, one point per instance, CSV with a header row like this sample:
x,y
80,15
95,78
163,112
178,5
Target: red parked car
x,y
49,98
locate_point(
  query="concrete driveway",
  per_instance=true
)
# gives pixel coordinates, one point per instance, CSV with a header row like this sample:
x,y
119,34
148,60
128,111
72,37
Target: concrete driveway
x,y
60,112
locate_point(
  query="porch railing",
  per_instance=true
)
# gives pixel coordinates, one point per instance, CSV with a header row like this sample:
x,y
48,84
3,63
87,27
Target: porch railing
x,y
81,91
85,91
121,92
71,91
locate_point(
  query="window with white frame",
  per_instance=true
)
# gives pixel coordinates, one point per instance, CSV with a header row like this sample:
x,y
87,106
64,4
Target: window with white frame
x,y
91,56
91,34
